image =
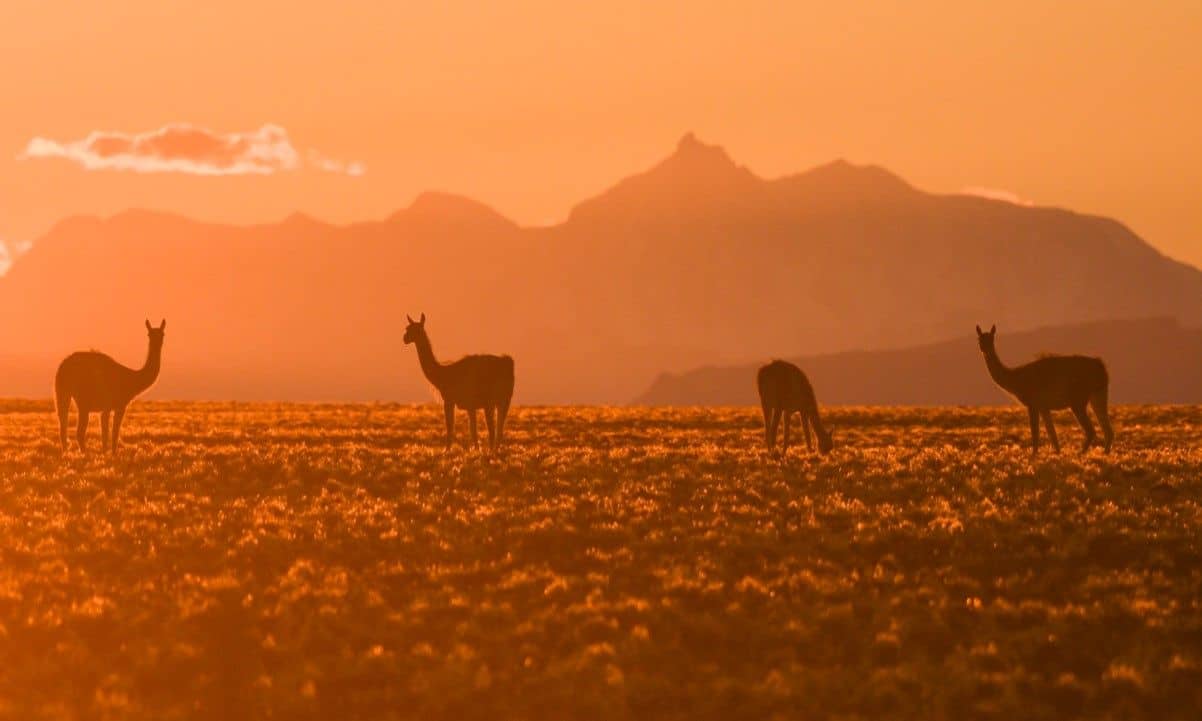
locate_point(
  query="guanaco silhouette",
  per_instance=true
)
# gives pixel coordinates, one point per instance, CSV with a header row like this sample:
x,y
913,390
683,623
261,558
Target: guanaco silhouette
x,y
785,390
1051,383
99,384
472,383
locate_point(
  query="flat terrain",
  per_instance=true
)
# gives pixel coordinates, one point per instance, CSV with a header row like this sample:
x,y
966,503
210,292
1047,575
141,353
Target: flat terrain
x,y
332,562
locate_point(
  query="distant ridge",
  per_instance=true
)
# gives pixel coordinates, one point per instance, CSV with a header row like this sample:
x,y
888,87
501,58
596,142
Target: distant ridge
x,y
1153,360
694,261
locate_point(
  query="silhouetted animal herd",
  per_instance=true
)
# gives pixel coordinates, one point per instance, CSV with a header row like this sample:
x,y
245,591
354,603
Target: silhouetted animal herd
x,y
99,384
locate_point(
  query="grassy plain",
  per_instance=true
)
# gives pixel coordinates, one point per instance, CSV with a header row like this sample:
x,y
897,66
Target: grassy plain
x,y
291,561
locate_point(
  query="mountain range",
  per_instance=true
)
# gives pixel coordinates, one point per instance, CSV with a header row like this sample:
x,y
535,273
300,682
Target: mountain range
x,y
696,261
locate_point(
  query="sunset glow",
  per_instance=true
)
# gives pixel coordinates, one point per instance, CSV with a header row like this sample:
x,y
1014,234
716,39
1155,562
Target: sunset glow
x,y
545,360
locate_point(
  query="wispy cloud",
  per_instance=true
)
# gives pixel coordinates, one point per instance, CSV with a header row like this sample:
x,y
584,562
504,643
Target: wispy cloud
x,y
10,251
996,194
330,165
184,148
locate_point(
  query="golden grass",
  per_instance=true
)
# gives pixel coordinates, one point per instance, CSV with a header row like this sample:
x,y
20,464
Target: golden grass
x,y
287,561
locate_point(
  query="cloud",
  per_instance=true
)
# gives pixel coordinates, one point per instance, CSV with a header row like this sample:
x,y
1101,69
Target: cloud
x,y
184,148
10,251
335,166
996,194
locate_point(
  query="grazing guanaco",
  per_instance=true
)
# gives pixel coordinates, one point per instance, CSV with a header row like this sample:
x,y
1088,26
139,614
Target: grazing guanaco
x,y
785,390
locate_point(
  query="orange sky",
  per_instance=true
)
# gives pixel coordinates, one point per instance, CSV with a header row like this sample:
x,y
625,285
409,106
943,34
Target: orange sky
x,y
530,106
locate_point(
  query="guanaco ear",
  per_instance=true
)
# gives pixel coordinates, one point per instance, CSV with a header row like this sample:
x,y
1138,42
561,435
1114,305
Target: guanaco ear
x,y
993,330
979,331
423,320
148,324
163,325
410,319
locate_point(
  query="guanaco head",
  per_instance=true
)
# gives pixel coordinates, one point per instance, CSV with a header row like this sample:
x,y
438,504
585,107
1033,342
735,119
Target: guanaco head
x,y
826,441
156,334
415,330
985,340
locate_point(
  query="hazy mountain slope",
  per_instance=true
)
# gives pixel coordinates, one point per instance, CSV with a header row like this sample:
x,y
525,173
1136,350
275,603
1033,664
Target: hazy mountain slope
x,y
845,256
1150,361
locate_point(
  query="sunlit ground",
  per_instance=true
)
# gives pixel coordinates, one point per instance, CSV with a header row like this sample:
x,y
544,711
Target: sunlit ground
x,y
332,562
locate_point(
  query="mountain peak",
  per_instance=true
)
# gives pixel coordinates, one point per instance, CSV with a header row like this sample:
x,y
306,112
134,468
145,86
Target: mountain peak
x,y
842,181
435,206
841,171
695,155
695,176
689,143
299,219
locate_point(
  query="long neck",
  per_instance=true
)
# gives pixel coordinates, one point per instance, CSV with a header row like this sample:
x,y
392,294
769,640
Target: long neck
x,y
815,419
1001,375
809,407
149,373
431,368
